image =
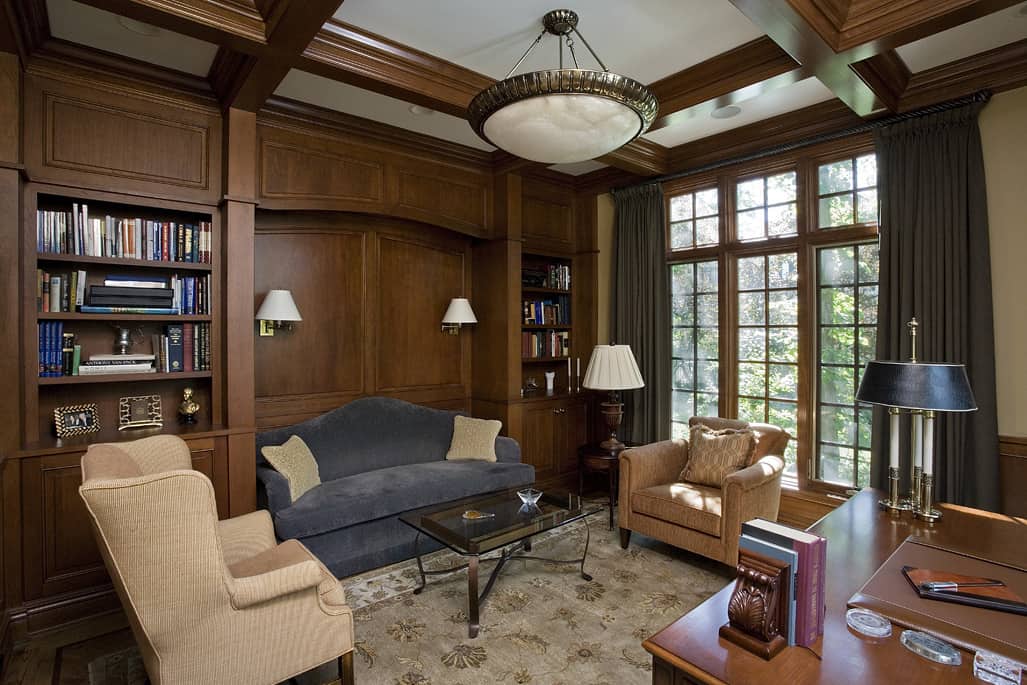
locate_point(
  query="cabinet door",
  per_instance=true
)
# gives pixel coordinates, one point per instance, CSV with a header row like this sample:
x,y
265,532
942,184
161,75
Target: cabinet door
x,y
540,435
574,425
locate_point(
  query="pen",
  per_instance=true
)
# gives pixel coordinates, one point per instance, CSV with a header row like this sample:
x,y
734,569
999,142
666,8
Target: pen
x,y
948,586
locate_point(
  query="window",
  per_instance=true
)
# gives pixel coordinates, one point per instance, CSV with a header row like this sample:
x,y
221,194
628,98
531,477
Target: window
x,y
768,342
774,310
696,343
694,220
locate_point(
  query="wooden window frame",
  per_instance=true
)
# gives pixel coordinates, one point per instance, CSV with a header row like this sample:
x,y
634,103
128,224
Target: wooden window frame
x,y
809,238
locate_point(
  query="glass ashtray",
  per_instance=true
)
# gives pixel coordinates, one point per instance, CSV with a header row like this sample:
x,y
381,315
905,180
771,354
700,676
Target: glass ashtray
x,y
995,669
869,623
529,496
930,647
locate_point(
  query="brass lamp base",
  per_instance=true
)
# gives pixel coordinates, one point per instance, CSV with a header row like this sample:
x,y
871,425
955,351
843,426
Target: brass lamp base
x,y
926,510
893,504
613,412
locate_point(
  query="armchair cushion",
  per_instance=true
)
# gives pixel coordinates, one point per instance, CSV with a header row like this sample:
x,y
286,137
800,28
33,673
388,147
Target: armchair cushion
x,y
713,455
684,504
293,460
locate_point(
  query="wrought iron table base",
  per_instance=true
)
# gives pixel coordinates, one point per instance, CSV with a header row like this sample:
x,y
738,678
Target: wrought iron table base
x,y
475,600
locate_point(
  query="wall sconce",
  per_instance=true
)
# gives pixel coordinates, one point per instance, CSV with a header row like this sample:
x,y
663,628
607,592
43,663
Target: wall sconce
x,y
458,313
278,307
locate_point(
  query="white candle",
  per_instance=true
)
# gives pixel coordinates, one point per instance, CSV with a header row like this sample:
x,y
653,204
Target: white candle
x,y
579,368
568,372
893,434
918,435
929,445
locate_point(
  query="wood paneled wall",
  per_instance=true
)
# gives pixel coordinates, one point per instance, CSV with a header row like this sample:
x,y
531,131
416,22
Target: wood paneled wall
x,y
372,292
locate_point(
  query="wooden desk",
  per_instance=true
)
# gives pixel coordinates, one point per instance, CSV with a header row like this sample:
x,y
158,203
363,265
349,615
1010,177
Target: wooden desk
x,y
860,538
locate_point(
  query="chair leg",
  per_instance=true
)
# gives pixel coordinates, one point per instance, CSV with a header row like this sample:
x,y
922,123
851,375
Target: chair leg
x,y
625,537
346,668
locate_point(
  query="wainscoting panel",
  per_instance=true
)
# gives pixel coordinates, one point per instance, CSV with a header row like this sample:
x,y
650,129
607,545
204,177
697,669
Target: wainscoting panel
x,y
1012,452
297,172
434,193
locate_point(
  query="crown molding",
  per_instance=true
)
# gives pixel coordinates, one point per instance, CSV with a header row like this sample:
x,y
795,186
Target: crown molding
x,y
1003,68
640,156
27,26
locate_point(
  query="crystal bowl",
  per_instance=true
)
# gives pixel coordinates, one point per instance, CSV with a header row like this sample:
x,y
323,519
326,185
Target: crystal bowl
x,y
529,496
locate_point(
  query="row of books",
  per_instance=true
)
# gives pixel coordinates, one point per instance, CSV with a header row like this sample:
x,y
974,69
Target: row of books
x,y
182,347
77,233
557,276
806,556
552,312
68,292
542,344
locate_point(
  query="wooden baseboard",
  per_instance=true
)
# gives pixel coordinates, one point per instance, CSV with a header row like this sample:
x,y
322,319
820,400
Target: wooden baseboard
x,y
34,620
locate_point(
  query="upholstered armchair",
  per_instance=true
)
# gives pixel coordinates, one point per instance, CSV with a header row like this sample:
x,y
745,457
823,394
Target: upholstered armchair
x,y
208,601
653,500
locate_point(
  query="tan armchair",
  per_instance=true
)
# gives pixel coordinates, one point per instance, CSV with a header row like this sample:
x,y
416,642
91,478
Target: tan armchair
x,y
705,520
208,601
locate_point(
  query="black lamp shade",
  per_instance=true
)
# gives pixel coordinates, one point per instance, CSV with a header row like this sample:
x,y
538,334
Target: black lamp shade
x,y
920,385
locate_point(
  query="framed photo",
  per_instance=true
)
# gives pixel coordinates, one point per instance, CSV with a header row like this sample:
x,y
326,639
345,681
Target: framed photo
x,y
139,412
76,419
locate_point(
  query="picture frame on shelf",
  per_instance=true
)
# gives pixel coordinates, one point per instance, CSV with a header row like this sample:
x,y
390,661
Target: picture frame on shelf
x,y
76,419
143,411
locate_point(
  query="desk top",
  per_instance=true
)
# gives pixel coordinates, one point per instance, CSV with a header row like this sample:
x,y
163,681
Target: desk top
x,y
860,538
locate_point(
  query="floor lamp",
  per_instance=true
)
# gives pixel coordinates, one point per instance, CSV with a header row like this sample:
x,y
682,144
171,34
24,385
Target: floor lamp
x,y
921,389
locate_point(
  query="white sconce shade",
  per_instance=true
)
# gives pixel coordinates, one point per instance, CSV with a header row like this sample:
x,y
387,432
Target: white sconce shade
x,y
457,314
278,305
613,367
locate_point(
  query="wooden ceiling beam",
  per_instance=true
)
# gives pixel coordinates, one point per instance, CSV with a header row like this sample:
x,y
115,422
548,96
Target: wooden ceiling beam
x,y
886,75
641,156
1003,68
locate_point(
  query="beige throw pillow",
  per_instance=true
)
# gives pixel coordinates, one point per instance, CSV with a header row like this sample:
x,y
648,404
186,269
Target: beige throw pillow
x,y
473,439
293,460
714,455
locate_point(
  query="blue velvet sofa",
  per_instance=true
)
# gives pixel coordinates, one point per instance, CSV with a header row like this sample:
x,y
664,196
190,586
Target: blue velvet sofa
x,y
377,457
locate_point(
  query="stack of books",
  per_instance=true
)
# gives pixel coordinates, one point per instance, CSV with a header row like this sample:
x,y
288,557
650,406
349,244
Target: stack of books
x,y
544,344
99,364
183,347
806,556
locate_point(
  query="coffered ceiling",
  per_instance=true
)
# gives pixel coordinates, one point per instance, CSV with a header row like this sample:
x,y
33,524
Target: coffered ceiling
x,y
415,65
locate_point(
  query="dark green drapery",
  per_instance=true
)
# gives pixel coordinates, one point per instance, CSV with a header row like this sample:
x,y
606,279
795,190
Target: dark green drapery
x,y
935,265
641,308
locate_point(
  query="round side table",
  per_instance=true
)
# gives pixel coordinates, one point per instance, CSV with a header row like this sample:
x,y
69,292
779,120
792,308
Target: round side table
x,y
596,459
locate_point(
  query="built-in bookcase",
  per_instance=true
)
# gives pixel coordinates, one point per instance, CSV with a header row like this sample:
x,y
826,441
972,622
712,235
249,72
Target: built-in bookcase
x,y
546,319
96,332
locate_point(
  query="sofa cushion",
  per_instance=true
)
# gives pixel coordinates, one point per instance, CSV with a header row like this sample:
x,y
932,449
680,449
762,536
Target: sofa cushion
x,y
473,439
684,504
293,460
714,455
387,492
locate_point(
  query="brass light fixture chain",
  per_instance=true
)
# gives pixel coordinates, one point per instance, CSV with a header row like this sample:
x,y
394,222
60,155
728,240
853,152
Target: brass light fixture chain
x,y
526,53
578,34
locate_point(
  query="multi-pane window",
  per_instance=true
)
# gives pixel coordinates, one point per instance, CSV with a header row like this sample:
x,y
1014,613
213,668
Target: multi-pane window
x,y
766,206
768,342
694,220
847,332
847,192
696,343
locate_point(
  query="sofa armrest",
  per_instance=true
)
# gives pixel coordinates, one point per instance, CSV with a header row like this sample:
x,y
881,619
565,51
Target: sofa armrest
x,y
246,535
276,488
507,450
752,492
251,590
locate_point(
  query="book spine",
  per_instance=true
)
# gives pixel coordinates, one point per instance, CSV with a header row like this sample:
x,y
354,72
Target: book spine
x,y
76,359
822,586
165,238
175,351
187,347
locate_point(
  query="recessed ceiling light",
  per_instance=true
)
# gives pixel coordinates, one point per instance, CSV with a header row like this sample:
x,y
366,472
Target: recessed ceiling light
x,y
138,27
726,112
421,111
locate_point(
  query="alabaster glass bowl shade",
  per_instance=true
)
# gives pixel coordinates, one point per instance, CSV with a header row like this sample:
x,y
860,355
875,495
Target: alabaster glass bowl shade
x,y
612,367
556,129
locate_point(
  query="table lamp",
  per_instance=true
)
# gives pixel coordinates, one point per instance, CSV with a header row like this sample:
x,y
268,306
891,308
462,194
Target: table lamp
x,y
612,368
922,389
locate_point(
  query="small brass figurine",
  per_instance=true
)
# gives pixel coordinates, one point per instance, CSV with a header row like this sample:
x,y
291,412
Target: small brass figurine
x,y
188,407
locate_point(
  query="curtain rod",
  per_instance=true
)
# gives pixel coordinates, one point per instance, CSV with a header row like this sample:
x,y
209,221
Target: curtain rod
x,y
979,96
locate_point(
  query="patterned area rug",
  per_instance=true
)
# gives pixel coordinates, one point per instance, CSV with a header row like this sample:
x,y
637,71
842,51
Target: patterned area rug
x,y
542,624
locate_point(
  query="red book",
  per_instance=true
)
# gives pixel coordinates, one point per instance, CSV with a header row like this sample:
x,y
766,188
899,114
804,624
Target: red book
x,y
165,238
187,347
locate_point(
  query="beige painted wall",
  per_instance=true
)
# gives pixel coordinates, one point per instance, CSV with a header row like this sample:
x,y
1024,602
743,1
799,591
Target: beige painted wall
x,y
1003,123
604,218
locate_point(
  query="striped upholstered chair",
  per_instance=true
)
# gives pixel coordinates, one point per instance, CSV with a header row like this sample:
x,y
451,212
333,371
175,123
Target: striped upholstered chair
x,y
208,601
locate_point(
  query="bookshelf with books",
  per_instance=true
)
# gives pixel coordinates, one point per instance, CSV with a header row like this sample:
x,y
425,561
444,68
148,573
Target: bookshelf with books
x,y
120,299
546,319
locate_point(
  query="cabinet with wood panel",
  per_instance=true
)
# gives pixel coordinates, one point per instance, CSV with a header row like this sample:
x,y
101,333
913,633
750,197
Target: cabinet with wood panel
x,y
552,431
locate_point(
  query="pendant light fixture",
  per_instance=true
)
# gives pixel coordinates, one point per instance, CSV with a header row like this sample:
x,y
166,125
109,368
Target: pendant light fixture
x,y
562,115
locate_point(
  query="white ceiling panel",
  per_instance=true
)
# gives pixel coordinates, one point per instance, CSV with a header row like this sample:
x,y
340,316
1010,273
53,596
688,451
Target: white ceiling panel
x,y
788,99
988,32
578,168
341,97
85,25
643,39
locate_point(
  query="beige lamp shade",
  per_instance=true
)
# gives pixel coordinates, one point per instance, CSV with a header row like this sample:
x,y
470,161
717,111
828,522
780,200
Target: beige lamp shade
x,y
459,312
612,367
278,305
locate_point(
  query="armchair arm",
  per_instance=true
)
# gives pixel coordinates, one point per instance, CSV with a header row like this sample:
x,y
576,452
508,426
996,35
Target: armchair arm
x,y
276,487
278,582
654,464
765,470
246,535
752,492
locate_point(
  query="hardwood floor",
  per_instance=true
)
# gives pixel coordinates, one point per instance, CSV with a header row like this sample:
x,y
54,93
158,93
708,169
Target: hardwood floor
x,y
62,657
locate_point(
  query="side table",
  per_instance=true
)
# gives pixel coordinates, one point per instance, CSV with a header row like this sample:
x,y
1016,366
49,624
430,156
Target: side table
x,y
599,460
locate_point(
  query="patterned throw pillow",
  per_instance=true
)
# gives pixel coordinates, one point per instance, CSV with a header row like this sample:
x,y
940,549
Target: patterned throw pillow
x,y
294,460
473,439
714,455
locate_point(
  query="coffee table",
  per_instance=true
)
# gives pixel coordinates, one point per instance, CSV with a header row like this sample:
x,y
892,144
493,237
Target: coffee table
x,y
510,528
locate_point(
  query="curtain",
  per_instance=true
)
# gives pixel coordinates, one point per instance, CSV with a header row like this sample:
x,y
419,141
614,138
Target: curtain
x,y
641,308
935,265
